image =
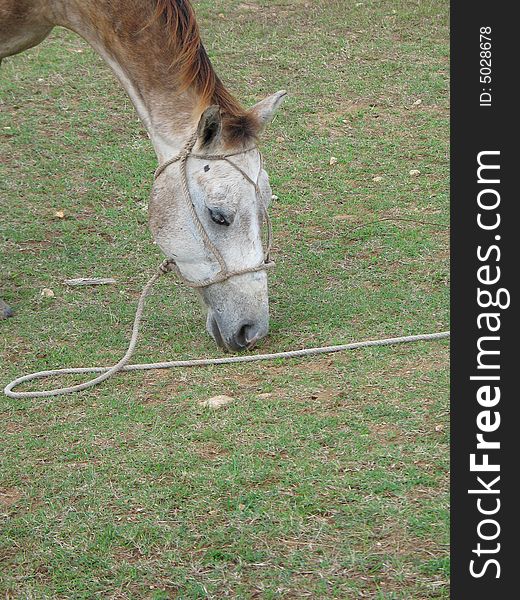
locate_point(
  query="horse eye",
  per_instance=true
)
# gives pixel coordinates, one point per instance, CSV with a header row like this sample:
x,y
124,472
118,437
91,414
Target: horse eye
x,y
206,168
218,217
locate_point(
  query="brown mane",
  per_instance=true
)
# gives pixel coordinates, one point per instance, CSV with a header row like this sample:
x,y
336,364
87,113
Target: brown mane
x,y
195,69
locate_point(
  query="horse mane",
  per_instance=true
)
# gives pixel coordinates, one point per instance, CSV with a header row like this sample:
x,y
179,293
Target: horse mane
x,y
194,68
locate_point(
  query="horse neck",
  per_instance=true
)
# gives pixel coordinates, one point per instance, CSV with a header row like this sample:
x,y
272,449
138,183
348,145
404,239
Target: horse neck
x,y
138,50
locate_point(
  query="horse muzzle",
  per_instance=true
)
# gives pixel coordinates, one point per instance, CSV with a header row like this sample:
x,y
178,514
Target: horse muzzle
x,y
237,337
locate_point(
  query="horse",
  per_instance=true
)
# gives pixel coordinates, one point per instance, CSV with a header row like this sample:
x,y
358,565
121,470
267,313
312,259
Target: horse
x,y
211,192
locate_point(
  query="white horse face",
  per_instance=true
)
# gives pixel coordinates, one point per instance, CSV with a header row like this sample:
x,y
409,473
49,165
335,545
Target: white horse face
x,y
231,210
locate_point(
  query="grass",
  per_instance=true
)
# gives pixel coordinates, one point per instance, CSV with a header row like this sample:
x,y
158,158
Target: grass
x,y
325,478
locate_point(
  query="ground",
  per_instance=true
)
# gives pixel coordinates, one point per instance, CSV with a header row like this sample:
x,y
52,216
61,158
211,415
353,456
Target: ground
x,y
324,478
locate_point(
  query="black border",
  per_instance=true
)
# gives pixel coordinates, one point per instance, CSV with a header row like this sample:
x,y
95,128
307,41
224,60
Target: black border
x,y
474,129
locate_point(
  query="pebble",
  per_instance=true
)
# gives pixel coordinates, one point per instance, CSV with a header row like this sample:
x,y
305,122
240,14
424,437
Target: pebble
x,y
217,402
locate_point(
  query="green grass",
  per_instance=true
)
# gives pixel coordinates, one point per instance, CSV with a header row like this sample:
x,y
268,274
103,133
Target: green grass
x,y
326,478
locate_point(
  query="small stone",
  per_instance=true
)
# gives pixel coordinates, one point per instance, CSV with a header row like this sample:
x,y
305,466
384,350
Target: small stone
x,y
377,179
60,214
417,102
217,402
274,197
439,428
47,293
415,172
280,139
333,161
80,281
265,395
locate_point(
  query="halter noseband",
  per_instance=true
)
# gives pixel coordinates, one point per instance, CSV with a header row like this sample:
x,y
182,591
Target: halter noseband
x,y
224,273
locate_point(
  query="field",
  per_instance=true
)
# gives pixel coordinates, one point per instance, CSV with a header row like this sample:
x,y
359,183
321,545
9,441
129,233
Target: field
x,y
325,478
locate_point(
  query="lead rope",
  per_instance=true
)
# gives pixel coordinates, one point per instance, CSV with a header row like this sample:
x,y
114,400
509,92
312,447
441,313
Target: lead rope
x,y
223,274
122,365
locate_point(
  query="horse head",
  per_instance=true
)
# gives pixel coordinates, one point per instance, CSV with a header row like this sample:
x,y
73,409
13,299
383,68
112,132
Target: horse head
x,y
206,213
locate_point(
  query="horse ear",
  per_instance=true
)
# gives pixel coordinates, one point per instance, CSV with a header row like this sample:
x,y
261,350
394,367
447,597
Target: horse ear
x,y
265,110
210,126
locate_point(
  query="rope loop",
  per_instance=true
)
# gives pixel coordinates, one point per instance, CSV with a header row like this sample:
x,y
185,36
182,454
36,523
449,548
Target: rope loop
x,y
167,266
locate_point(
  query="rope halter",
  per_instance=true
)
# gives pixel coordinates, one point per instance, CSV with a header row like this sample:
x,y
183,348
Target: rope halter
x,y
224,273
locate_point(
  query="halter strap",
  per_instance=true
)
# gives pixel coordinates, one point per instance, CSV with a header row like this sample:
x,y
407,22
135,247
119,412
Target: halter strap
x,y
224,273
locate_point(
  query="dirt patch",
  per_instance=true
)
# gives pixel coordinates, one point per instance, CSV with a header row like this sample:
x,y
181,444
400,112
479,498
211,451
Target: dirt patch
x,y
337,121
12,428
129,555
417,365
9,496
386,432
210,451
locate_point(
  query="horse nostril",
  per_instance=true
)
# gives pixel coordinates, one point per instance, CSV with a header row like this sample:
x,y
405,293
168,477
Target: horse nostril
x,y
244,337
